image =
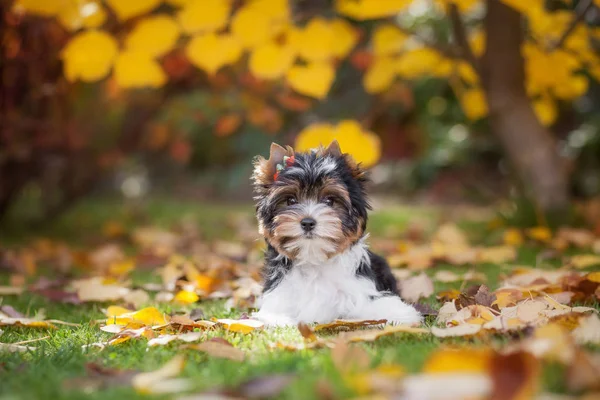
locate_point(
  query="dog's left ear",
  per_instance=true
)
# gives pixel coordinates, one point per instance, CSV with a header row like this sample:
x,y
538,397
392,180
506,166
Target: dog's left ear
x,y
333,149
264,170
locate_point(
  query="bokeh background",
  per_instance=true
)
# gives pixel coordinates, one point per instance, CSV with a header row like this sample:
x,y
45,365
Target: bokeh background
x,y
489,102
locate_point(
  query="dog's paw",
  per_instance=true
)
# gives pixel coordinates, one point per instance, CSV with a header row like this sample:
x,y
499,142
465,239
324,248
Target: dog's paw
x,y
273,320
391,308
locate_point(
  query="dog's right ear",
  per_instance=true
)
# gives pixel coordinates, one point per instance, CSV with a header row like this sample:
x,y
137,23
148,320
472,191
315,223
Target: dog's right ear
x,y
264,170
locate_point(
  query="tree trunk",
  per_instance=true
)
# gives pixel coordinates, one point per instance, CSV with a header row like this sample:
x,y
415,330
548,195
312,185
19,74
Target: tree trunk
x,y
530,147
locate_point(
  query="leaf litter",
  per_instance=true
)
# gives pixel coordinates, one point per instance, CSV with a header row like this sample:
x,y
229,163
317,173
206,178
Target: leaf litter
x,y
544,314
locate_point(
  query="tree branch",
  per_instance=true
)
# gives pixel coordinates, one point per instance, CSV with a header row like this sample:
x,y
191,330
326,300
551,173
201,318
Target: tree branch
x,y
446,50
460,35
583,6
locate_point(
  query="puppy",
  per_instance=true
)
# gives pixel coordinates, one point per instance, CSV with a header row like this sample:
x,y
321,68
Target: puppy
x,y
312,211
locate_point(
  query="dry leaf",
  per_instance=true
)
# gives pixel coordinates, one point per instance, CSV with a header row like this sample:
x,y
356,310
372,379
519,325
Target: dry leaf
x,y
585,260
588,330
11,290
459,330
514,376
184,337
412,289
373,334
240,325
14,348
162,380
348,324
93,289
348,358
447,386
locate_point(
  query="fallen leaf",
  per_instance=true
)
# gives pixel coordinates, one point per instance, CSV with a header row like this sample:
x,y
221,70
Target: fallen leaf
x,y
588,330
462,360
530,311
240,325
348,324
348,358
446,386
184,337
514,376
14,348
148,316
307,332
93,289
459,330
218,349
585,260
269,386
412,289
162,380
583,372
11,290
373,334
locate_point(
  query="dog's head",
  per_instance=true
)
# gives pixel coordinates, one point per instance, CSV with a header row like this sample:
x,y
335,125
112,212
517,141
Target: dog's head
x,y
310,206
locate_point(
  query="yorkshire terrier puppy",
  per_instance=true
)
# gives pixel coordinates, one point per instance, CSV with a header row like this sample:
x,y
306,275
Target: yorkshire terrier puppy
x,y
312,211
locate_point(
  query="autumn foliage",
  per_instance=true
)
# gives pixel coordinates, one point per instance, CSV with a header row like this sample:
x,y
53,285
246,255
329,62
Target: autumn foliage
x,y
287,55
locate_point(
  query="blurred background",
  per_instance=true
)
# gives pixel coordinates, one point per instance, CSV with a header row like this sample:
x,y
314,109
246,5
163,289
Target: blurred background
x,y
483,102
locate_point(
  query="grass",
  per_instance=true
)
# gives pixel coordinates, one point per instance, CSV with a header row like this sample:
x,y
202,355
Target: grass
x,y
58,365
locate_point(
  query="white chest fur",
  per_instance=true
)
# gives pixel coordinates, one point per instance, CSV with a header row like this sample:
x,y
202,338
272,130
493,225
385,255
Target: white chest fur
x,y
324,292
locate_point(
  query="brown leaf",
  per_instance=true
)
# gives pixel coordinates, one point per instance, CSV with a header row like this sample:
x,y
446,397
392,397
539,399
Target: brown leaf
x,y
425,309
9,311
373,334
583,372
412,289
349,358
459,330
514,376
307,332
484,297
348,324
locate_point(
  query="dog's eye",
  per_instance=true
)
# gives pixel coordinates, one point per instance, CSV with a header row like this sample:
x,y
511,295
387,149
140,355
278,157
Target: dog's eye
x,y
329,201
291,201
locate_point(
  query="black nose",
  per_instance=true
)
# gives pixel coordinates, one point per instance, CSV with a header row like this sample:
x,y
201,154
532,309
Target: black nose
x,y
308,224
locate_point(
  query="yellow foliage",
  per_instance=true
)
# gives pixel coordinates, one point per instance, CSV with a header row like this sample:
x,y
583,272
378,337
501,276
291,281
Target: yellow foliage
x,y
312,80
345,37
473,104
422,62
271,60
380,75
513,237
363,145
204,16
89,56
539,233
575,87
387,40
154,35
135,69
317,40
251,27
210,52
277,10
477,42
41,7
78,14
463,5
467,72
545,109
132,8
363,10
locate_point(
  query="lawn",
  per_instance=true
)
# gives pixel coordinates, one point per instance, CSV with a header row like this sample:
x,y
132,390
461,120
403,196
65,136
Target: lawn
x,y
59,367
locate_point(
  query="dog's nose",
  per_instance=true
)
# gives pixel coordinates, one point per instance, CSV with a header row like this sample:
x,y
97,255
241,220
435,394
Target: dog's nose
x,y
308,224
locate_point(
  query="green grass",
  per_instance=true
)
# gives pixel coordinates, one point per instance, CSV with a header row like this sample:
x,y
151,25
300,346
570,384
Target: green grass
x,y
53,369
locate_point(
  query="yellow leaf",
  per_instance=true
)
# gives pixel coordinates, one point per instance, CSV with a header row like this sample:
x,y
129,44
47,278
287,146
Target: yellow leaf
x,y
497,254
241,325
204,16
271,60
593,277
575,87
363,10
458,360
210,52
380,75
251,27
585,260
317,41
466,72
513,237
120,268
545,109
364,146
154,35
115,311
312,80
387,40
345,37
421,62
277,10
135,69
81,14
41,7
89,56
148,316
132,8
539,233
477,42
186,297
473,104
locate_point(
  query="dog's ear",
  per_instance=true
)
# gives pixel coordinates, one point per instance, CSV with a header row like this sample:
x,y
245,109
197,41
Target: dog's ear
x,y
333,149
358,172
264,170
